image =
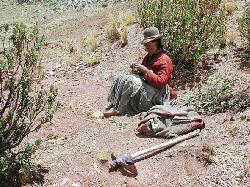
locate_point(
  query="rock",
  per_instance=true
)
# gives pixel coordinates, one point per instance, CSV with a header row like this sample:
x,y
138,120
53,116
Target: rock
x,y
103,156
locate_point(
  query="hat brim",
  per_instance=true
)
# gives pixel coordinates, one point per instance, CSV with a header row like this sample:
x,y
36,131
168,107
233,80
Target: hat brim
x,y
144,41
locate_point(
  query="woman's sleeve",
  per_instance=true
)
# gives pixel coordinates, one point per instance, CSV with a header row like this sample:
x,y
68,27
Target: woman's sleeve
x,y
161,75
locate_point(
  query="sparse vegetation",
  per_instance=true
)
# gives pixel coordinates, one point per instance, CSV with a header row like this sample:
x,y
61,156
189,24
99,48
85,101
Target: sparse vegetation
x,y
51,137
124,36
92,41
25,104
189,27
230,36
207,154
113,32
126,18
244,23
93,60
220,93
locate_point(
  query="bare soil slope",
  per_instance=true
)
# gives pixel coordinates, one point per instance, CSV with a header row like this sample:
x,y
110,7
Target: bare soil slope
x,y
72,145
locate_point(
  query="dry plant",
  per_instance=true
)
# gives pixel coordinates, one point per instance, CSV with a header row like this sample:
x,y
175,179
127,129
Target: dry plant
x,y
230,36
93,60
92,40
233,129
230,7
126,18
124,36
207,154
113,32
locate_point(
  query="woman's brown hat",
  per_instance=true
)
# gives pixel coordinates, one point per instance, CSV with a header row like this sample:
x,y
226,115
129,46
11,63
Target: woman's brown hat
x,y
150,34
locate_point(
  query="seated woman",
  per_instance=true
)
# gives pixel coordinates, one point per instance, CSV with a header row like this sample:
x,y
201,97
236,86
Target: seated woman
x,y
148,85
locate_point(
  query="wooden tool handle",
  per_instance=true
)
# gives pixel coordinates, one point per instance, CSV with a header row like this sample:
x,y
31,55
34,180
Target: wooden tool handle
x,y
166,144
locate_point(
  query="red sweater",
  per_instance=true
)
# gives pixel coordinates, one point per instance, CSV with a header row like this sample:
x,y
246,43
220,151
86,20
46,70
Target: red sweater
x,y
159,72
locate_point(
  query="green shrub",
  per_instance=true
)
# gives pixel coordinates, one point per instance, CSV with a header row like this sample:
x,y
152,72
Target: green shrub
x,y
25,105
223,91
244,25
189,27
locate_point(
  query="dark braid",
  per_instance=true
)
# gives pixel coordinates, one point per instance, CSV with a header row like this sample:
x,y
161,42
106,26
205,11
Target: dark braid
x,y
160,45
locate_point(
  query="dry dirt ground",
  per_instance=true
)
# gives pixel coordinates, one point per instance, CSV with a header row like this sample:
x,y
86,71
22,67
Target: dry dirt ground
x,y
71,146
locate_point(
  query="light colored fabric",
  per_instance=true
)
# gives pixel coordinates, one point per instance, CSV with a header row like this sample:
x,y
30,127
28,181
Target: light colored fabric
x,y
130,94
164,121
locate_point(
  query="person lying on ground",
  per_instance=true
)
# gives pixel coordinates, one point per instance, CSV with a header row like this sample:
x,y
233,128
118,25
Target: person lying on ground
x,y
148,85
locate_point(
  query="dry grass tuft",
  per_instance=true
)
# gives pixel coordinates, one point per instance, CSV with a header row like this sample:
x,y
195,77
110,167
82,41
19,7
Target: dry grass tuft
x,y
92,40
230,37
93,60
124,36
230,7
113,32
126,18
207,154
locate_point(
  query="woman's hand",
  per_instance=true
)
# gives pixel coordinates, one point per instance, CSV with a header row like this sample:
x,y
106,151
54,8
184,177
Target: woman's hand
x,y
140,68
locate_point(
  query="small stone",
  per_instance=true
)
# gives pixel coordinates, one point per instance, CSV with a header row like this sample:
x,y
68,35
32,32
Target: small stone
x,y
103,157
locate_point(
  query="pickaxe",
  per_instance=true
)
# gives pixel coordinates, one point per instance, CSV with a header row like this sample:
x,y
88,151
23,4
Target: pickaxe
x,y
126,162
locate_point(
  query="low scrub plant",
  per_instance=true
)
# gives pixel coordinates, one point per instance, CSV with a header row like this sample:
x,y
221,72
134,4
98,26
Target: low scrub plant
x,y
124,36
244,25
189,27
92,41
223,91
126,18
25,103
93,60
113,32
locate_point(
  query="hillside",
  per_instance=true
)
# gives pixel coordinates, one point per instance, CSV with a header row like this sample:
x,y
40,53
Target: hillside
x,y
71,146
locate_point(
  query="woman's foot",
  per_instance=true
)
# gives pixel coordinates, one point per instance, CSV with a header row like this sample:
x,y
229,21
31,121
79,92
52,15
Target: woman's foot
x,y
109,107
111,112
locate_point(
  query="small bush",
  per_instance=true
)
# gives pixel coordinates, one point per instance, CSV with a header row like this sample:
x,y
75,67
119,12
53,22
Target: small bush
x,y
92,41
124,36
93,60
223,91
25,105
189,27
113,33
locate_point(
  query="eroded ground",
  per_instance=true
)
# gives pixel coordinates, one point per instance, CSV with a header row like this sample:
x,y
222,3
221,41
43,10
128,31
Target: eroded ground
x,y
72,145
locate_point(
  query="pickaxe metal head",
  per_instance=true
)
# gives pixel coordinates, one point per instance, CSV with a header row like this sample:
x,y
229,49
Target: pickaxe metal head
x,y
123,163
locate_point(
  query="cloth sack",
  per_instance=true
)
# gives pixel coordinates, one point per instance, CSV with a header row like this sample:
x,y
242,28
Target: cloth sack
x,y
166,120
